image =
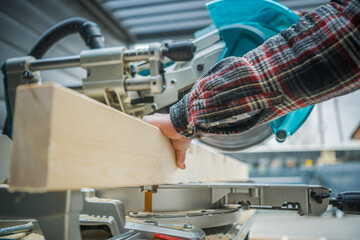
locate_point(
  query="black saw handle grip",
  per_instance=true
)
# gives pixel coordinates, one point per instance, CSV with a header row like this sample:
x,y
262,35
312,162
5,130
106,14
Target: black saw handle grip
x,y
179,51
348,202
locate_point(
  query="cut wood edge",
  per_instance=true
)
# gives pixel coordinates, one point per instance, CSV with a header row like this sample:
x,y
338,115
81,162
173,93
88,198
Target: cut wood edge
x,y
26,139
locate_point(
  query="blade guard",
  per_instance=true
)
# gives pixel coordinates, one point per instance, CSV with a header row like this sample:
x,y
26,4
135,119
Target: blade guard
x,y
243,25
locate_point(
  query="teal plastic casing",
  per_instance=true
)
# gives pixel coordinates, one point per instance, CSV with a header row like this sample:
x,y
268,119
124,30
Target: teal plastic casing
x,y
245,24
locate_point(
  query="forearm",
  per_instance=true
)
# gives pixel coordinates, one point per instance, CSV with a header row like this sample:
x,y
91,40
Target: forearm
x,y
314,60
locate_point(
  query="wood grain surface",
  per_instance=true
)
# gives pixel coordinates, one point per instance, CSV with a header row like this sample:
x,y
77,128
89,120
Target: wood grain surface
x,y
65,140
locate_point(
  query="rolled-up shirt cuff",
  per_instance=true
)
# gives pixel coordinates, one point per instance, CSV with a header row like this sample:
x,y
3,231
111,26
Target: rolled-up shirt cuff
x,y
179,115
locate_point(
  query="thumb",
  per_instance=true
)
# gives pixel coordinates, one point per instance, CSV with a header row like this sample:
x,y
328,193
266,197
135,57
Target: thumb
x,y
180,158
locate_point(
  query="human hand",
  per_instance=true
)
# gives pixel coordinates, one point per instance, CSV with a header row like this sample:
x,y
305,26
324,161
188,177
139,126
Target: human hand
x,y
179,142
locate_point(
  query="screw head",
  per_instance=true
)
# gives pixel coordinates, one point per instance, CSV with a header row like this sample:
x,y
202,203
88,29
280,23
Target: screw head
x,y
28,75
187,226
281,135
200,67
173,82
153,106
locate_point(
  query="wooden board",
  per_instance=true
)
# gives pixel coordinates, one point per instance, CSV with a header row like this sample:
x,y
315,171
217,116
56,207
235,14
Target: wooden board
x,y
65,140
204,164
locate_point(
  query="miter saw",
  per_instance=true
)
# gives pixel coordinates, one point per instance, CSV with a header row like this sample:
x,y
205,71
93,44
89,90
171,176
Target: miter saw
x,y
147,80
183,211
143,81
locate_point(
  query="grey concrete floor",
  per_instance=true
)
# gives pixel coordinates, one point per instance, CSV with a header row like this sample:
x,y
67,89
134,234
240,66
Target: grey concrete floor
x,y
276,224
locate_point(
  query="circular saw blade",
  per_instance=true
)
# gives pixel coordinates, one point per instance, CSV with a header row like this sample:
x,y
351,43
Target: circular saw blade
x,y
234,143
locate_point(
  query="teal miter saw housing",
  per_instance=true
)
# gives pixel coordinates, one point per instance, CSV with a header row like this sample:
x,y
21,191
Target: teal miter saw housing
x,y
243,25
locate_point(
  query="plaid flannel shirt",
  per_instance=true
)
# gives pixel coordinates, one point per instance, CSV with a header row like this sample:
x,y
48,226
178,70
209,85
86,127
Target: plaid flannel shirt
x,y
314,60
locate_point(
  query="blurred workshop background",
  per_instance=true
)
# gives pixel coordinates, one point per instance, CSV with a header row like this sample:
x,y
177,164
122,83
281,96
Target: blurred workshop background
x,y
326,149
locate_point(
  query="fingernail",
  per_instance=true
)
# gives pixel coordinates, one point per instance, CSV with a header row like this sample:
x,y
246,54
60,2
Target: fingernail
x,y
180,165
183,166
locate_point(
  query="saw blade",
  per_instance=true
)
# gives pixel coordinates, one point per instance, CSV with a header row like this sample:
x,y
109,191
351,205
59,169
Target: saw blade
x,y
234,143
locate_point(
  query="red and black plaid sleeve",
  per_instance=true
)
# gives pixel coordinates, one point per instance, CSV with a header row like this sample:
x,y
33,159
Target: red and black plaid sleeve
x,y
314,60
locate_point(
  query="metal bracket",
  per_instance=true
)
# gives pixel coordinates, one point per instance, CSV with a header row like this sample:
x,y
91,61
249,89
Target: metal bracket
x,y
104,207
56,212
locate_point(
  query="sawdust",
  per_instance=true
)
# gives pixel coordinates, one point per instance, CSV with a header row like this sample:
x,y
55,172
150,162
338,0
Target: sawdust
x,y
34,236
14,236
246,215
24,236
95,199
130,219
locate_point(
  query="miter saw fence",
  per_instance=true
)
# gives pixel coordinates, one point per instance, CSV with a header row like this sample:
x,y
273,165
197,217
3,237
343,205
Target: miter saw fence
x,y
143,81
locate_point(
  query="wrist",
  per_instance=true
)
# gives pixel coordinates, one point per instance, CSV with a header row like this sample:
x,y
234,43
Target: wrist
x,y
179,116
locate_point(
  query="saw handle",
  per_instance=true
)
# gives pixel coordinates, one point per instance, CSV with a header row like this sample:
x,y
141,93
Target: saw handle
x,y
179,51
348,202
